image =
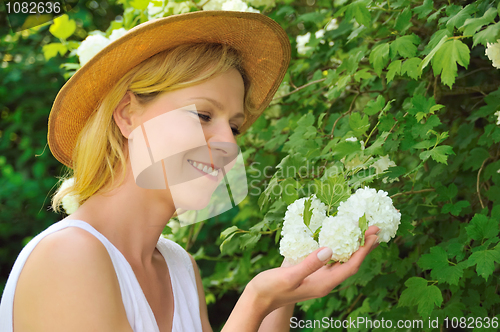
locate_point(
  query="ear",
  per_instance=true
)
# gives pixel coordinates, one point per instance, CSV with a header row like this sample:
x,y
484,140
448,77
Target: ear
x,y
125,115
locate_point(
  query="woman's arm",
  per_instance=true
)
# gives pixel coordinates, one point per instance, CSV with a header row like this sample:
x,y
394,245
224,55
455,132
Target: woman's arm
x,y
205,324
278,320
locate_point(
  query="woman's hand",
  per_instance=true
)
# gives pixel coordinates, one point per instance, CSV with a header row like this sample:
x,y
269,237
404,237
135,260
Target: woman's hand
x,y
309,279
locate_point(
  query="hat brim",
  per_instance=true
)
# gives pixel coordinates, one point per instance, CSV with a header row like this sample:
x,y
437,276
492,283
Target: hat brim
x,y
263,44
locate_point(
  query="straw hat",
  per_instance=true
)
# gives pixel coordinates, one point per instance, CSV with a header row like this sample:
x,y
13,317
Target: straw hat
x,y
263,44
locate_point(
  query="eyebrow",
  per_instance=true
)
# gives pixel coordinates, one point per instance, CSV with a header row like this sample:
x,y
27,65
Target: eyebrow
x,y
219,106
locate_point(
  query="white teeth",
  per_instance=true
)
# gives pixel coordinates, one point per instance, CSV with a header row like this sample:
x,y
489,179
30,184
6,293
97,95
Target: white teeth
x,y
205,168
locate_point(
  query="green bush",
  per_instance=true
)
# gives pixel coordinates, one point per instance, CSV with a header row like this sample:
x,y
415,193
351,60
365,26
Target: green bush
x,y
410,81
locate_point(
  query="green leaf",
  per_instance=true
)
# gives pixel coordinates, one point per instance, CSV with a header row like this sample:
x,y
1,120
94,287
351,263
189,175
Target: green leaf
x,y
439,154
228,231
374,106
404,46
420,294
423,130
62,27
447,193
425,9
455,209
488,35
140,4
289,190
471,25
431,54
393,69
249,240
411,67
459,19
379,57
441,270
475,158
358,10
363,225
358,124
332,190
51,50
446,59
481,227
403,21
485,261
307,211
362,74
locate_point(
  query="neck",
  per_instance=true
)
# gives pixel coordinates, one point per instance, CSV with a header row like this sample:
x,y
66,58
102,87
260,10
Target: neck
x,y
130,217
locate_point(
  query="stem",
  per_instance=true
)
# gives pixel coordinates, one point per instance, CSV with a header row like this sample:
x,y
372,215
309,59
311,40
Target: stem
x,y
413,192
349,111
300,88
477,183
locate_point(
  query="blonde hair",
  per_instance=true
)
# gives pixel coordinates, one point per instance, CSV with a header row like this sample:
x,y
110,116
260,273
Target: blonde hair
x,y
99,151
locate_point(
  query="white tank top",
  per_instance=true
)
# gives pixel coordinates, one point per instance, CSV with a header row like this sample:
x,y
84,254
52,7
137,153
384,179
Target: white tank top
x,y
139,313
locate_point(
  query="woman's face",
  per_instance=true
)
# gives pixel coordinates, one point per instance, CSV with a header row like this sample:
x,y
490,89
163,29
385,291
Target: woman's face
x,y
191,138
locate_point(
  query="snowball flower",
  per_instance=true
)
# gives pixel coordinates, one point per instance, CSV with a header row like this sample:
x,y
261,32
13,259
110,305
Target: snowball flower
x,y
298,241
378,209
382,164
69,202
92,45
238,6
498,119
332,25
214,5
301,43
351,139
341,235
319,34
493,53
295,247
117,33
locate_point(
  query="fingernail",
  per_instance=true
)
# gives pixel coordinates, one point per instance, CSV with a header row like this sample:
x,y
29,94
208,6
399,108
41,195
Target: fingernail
x,y
325,254
375,243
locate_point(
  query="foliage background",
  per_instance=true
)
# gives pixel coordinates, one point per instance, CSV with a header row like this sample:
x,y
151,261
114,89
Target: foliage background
x,y
408,78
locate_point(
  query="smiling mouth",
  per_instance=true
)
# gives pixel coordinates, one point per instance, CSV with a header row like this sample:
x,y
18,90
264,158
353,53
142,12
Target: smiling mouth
x,y
204,168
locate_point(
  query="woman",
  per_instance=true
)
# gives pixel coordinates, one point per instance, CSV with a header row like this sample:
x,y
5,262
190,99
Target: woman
x,y
106,267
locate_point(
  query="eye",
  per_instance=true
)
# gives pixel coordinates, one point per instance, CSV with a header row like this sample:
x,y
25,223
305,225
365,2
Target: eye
x,y
236,131
204,117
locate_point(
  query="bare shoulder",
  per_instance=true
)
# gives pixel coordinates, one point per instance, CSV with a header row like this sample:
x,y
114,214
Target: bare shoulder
x,y
69,284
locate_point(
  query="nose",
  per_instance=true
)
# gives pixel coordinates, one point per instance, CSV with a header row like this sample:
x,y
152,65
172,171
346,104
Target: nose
x,y
222,142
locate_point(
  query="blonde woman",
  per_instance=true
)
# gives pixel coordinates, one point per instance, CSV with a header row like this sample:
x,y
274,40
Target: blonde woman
x,y
106,267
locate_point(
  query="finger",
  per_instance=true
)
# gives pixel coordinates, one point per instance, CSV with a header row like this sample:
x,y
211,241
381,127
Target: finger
x,y
312,263
372,230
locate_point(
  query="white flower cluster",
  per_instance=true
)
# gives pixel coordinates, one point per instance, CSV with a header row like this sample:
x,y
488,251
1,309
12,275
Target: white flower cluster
x,y
298,241
498,119
160,8
493,53
302,40
230,5
93,44
69,202
378,209
341,233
